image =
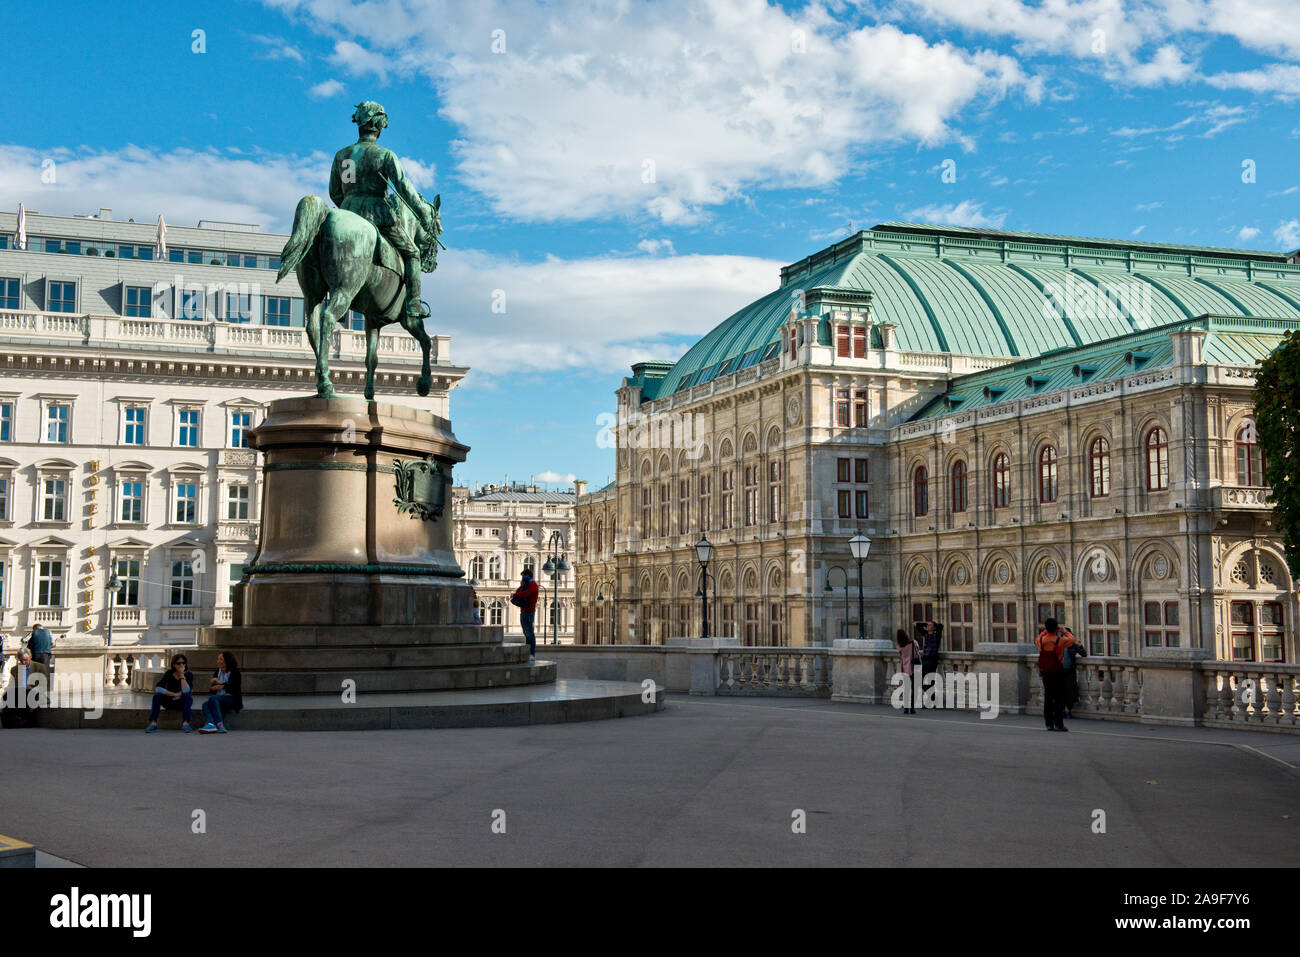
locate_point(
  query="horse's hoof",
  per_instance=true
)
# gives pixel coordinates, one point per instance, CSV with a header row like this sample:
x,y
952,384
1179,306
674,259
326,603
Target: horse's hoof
x,y
370,395
422,387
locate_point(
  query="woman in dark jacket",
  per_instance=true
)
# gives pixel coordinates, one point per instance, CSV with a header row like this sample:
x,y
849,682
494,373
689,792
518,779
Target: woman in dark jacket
x,y
225,694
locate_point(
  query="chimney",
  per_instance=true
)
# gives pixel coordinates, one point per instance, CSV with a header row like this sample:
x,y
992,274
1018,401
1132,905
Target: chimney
x,y
579,487
105,214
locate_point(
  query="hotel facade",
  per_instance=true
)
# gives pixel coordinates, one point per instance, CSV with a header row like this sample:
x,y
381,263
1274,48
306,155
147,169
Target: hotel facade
x,y
1024,426
131,372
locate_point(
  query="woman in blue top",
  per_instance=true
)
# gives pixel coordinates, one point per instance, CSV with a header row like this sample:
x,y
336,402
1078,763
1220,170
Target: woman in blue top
x,y
225,693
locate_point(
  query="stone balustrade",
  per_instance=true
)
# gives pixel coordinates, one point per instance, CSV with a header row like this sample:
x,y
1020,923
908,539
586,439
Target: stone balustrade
x,y
1170,686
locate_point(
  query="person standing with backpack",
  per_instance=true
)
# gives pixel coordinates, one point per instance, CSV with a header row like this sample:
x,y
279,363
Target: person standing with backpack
x,y
1052,642
909,652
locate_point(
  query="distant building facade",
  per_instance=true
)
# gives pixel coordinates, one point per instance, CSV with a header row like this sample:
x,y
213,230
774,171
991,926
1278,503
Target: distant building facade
x,y
1025,426
498,530
129,380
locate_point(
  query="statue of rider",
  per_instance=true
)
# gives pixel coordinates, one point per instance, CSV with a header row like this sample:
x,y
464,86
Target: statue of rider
x,y
359,181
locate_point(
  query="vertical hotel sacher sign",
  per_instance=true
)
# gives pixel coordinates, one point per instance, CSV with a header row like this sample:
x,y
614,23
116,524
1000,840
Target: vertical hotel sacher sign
x,y
87,580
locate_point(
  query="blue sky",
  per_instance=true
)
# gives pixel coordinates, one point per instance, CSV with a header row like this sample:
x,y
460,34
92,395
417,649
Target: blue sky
x,y
629,174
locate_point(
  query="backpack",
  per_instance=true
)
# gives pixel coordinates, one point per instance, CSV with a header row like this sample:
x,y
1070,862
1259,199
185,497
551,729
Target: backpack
x,y
1049,662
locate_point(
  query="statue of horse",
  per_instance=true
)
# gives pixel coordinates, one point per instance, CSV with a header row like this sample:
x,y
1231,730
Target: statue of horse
x,y
342,263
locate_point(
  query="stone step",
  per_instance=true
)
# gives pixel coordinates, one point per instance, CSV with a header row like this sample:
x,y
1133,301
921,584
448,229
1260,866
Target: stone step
x,y
370,681
204,660
283,636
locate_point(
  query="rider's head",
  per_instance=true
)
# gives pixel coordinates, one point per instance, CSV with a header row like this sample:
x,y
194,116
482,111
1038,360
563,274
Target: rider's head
x,y
370,117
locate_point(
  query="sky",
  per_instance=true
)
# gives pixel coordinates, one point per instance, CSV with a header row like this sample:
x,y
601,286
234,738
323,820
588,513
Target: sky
x,y
619,177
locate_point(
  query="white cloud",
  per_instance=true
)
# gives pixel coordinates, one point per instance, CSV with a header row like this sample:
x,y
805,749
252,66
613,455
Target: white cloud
x,y
1280,78
1167,66
1145,207
1138,230
278,49
554,478
325,90
1246,234
655,246
663,110
966,213
1287,235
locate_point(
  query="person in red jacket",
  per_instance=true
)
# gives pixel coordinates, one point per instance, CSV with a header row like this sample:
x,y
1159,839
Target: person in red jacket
x,y
1052,642
525,598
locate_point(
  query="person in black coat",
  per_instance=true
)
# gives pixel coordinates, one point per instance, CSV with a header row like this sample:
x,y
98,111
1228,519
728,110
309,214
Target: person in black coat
x,y
225,693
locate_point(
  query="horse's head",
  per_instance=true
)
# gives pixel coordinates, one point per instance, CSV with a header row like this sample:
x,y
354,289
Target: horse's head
x,y
429,245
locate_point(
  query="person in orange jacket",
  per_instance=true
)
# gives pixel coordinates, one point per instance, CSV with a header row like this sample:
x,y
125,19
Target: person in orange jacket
x,y
525,598
1052,642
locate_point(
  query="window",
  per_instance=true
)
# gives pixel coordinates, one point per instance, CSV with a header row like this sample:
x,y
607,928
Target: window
x,y
134,421
476,568
187,503
478,532
1103,628
774,513
776,617
728,496
728,616
751,623
1099,458
860,502
276,312
842,407
1271,638
240,423
922,612
845,502
1160,624
665,508
961,626
56,422
62,298
187,429
645,511
495,570
843,469
128,574
49,583
706,501
237,503
530,563
683,507
793,341
1001,481
528,533
8,293
494,612
139,302
191,304
1157,460
1250,461
1243,631
1047,609
751,494
959,486
6,421
236,573
1047,474
356,321
182,583
131,496
860,409
54,500
239,307
4,506
1004,620
842,341
920,493
859,342
600,535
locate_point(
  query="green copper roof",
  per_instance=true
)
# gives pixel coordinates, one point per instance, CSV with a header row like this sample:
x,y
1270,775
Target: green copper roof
x,y
1230,340
998,293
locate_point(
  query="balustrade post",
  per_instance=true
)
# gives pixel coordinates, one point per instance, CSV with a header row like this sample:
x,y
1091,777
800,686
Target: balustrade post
x,y
1172,685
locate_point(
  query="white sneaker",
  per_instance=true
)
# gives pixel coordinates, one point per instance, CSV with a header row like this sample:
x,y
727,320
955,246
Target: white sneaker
x,y
532,660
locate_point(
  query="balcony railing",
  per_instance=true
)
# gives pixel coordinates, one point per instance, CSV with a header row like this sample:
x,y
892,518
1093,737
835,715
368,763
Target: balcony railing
x,y
1240,496
774,671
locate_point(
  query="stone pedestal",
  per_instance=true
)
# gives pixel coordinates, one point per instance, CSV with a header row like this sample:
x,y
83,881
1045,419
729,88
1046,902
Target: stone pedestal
x,y
859,672
1172,691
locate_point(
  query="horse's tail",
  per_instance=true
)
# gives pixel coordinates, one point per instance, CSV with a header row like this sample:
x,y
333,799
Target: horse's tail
x,y
307,221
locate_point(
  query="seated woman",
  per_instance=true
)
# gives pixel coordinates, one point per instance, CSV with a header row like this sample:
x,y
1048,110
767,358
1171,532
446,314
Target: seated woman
x,y
173,692
225,694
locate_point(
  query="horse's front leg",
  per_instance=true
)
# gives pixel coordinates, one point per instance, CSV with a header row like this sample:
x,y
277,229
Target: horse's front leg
x,y
416,328
323,387
372,356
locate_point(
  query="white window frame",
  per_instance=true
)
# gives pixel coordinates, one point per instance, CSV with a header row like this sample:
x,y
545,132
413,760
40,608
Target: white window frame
x,y
178,479
47,555
230,425
121,477
184,558
128,555
55,474
128,407
10,401
7,502
246,501
178,426
47,405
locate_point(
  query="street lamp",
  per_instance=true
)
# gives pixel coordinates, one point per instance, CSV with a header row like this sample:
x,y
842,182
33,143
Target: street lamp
x,y
828,588
704,552
613,596
114,586
859,545
556,566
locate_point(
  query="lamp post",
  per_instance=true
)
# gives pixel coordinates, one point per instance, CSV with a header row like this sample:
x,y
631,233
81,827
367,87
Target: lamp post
x,y
113,587
828,588
704,552
859,545
613,596
555,566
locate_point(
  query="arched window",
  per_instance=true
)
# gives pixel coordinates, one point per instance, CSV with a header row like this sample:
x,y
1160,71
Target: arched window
x,y
530,563
586,539
1157,460
600,535
494,612
1250,461
774,513
494,567
1001,481
1047,474
1099,463
476,567
920,491
959,485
